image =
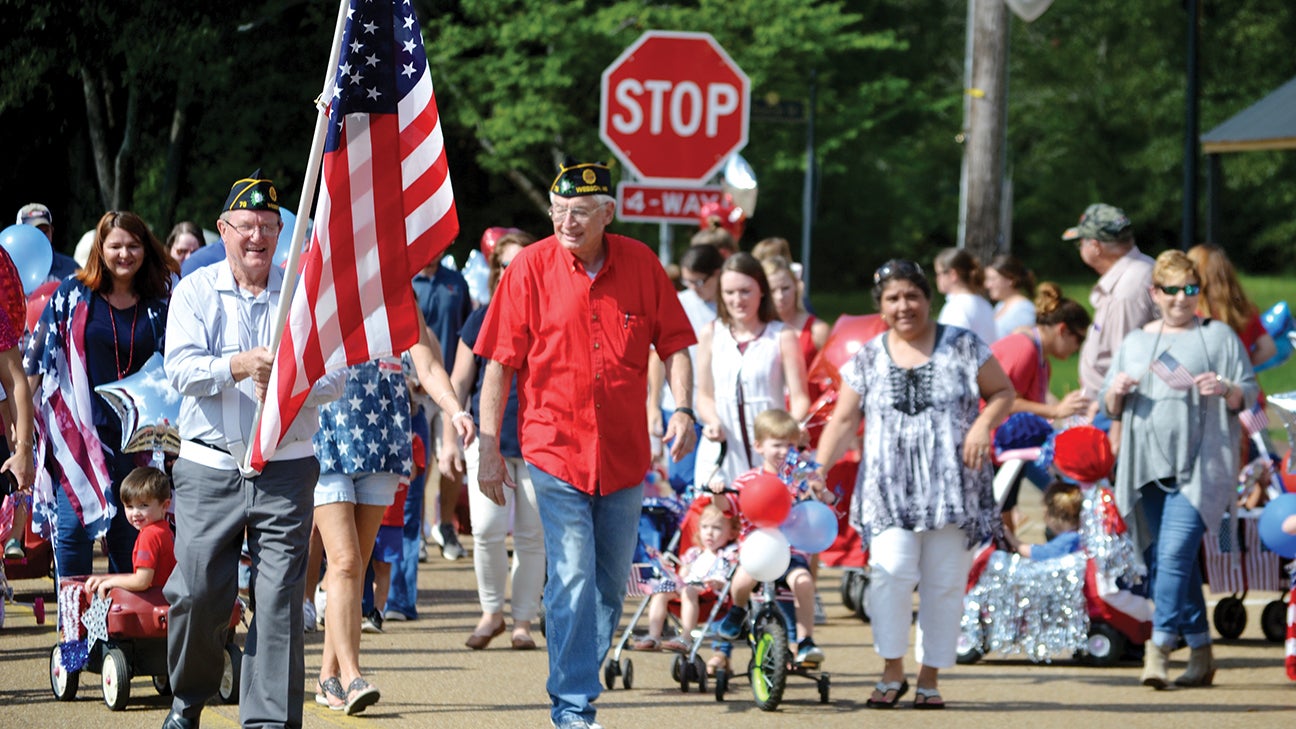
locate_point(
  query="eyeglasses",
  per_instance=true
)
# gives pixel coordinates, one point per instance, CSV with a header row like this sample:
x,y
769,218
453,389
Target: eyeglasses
x,y
694,283
1188,289
897,268
246,229
580,215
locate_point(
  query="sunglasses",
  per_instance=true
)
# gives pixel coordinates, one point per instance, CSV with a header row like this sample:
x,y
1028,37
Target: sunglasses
x,y
1188,289
897,268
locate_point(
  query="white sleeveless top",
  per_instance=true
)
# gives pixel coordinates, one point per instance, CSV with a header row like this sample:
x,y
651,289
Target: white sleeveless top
x,y
754,378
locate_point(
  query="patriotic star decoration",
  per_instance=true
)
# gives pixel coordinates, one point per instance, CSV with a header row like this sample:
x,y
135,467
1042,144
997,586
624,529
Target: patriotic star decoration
x,y
95,620
382,58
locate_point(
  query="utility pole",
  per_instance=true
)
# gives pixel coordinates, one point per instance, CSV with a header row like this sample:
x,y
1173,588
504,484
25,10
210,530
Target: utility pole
x,y
983,152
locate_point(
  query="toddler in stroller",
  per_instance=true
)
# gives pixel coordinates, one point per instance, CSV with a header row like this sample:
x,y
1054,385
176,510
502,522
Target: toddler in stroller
x,y
704,570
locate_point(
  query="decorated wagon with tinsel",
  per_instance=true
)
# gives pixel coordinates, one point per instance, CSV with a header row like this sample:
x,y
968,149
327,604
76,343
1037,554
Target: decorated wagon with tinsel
x,y
1072,606
119,637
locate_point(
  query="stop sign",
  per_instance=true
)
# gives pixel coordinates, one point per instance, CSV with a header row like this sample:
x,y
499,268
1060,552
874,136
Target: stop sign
x,y
674,106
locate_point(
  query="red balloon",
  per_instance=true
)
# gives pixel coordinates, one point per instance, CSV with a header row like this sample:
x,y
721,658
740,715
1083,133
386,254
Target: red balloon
x,y
763,499
491,235
36,303
848,334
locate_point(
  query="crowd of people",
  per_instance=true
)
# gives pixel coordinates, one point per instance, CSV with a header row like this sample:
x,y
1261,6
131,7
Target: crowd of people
x,y
532,407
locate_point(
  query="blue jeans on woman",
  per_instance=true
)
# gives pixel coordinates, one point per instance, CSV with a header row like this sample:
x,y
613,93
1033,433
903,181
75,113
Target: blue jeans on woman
x,y
73,543
402,596
1174,568
589,542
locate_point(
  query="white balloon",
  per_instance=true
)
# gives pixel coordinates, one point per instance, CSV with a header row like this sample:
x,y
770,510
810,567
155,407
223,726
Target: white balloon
x,y
765,554
740,182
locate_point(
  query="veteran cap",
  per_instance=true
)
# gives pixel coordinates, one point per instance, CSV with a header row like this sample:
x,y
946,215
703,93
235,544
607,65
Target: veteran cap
x,y
578,179
1100,221
253,193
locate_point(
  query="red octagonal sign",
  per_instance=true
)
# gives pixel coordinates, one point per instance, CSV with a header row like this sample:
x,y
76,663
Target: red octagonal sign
x,y
674,106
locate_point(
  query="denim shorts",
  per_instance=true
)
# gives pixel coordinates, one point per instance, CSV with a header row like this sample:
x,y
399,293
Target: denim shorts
x,y
362,489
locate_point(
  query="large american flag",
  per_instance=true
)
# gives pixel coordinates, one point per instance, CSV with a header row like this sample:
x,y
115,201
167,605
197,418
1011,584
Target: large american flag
x,y
385,211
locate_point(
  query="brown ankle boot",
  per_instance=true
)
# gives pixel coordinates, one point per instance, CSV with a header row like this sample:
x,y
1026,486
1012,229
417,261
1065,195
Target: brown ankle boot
x,y
1155,659
1201,668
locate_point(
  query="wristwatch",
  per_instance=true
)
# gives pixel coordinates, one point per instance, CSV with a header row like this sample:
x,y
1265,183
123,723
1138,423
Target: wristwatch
x,y
689,412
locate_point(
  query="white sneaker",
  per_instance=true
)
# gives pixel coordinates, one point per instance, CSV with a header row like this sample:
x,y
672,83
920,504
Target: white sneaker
x,y
321,602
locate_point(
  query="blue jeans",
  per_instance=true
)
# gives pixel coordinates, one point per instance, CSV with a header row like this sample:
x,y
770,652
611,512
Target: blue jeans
x,y
1174,569
402,597
73,543
585,537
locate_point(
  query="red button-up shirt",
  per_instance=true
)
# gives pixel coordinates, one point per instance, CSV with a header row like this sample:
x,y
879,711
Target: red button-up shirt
x,y
580,348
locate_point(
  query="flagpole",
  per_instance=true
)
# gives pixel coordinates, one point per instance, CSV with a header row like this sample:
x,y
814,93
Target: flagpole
x,y
305,207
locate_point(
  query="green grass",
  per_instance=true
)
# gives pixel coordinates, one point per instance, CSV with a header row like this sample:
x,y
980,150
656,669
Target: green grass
x,y
1264,290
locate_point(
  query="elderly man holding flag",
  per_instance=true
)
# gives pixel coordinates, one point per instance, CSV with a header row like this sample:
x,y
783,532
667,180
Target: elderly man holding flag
x,y
385,209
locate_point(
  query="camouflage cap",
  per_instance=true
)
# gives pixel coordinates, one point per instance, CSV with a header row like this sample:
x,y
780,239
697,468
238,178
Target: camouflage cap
x,y
1101,222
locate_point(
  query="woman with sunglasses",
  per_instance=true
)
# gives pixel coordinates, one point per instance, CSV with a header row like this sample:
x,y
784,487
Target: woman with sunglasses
x,y
1060,326
923,497
1177,385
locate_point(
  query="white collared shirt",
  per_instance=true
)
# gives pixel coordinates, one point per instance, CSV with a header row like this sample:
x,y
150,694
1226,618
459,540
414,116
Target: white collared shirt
x,y
197,359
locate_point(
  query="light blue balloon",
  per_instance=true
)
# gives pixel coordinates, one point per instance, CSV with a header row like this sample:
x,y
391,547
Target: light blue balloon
x,y
284,244
1270,525
811,526
31,254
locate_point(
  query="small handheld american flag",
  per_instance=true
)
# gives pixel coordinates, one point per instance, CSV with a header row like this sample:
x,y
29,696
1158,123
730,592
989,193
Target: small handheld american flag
x,y
1254,419
1175,375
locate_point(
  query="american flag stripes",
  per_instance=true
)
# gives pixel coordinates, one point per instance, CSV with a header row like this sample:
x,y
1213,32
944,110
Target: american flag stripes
x,y
1256,569
1254,419
385,210
1175,375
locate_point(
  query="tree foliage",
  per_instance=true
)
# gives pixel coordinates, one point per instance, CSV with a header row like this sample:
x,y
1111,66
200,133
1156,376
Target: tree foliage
x,y
194,94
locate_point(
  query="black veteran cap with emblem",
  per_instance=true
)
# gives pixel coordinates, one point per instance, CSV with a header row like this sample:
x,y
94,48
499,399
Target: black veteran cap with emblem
x,y
253,193
578,179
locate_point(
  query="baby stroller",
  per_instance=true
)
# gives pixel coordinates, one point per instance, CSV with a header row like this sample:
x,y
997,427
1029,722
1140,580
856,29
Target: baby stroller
x,y
37,560
659,534
121,637
1071,605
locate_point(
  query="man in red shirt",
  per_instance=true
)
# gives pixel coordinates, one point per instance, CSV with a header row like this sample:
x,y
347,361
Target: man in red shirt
x,y
574,317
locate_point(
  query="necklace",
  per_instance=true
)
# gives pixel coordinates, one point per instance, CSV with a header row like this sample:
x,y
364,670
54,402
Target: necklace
x,y
130,356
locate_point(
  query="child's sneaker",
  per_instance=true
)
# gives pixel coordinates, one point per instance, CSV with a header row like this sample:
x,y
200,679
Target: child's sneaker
x,y
733,625
808,652
372,623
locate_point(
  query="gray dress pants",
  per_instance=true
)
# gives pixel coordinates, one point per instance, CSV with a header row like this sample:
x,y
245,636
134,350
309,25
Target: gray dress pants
x,y
213,509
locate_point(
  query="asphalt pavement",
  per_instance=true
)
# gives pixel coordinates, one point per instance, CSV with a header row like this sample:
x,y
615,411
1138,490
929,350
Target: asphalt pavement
x,y
429,679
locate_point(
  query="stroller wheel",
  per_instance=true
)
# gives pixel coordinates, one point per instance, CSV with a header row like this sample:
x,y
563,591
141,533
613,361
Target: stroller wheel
x,y
38,608
969,651
627,674
700,673
823,684
677,668
1230,617
1273,621
610,671
1105,645
721,683
860,596
162,684
231,675
847,589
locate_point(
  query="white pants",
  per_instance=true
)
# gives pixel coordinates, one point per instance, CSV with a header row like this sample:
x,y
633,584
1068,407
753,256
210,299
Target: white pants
x,y
937,563
490,524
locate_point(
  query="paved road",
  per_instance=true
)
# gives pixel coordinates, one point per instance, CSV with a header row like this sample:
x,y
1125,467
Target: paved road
x,y
429,679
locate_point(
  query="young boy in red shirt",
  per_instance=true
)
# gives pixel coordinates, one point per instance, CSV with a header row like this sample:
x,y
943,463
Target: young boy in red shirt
x,y
146,496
